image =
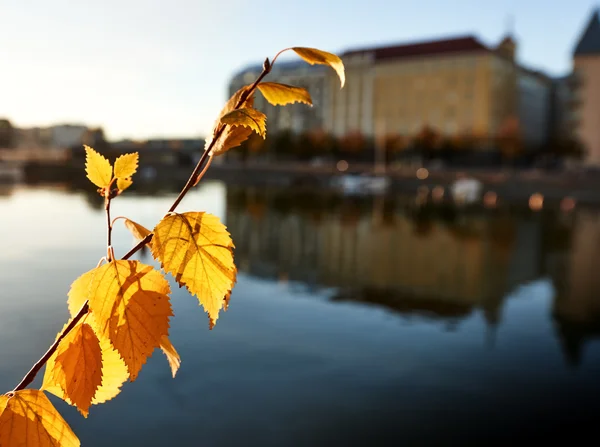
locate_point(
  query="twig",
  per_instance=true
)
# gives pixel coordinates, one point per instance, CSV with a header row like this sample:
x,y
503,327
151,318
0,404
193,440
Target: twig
x,y
41,362
195,176
109,255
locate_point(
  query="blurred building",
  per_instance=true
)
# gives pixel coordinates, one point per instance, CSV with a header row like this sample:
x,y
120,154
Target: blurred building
x,y
561,112
586,95
296,118
61,136
456,86
534,106
67,135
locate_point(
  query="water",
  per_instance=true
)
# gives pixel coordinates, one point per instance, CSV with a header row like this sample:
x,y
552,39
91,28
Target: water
x,y
354,321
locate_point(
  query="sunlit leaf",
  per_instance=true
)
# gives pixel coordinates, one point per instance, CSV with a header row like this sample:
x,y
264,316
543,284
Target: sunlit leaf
x,y
314,56
282,94
139,232
130,304
251,118
114,373
232,136
197,250
171,354
126,165
27,418
124,183
98,168
77,366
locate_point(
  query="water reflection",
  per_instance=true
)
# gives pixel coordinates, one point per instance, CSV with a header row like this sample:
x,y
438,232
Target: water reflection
x,y
355,321
432,261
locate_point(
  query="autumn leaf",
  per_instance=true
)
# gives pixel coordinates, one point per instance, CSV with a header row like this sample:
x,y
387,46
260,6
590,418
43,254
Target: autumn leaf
x,y
282,94
197,250
126,165
130,304
232,136
77,366
113,374
98,168
27,418
251,118
171,354
124,183
139,232
314,56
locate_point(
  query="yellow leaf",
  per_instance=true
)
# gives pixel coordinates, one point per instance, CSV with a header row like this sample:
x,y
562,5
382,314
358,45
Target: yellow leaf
x,y
282,94
114,373
130,304
197,250
314,56
251,118
171,354
126,165
27,418
139,232
232,136
78,366
98,168
124,183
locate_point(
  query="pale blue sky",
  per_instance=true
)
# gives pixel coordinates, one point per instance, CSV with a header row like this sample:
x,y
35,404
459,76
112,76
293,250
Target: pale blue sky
x,y
146,68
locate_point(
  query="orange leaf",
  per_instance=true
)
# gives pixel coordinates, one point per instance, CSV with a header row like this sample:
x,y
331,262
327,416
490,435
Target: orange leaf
x,y
314,56
27,418
282,94
251,118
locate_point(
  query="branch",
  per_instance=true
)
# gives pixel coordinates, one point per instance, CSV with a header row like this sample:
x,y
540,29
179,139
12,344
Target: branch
x,y
192,180
41,362
108,229
195,177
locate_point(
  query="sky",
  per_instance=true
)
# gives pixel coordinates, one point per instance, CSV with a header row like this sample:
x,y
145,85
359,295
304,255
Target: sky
x,y
147,68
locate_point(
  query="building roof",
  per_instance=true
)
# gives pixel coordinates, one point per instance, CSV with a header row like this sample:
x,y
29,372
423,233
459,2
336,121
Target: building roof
x,y
589,43
461,44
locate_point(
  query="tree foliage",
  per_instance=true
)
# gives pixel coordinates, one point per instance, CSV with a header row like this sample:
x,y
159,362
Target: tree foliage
x,y
121,309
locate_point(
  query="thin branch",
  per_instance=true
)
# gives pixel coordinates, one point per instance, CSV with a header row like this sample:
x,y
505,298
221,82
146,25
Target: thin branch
x,y
192,180
41,362
195,176
210,157
108,228
138,247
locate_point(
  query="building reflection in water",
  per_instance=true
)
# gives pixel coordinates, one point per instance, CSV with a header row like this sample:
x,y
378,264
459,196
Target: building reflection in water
x,y
576,309
432,261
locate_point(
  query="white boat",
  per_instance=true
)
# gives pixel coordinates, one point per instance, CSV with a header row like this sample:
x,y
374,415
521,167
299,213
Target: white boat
x,y
466,190
361,184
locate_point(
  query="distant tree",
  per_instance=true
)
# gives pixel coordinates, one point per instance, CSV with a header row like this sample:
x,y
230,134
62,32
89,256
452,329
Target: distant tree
x,y
427,141
509,139
353,142
7,134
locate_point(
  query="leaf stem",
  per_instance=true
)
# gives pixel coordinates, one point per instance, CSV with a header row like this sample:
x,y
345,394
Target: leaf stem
x,y
30,377
109,255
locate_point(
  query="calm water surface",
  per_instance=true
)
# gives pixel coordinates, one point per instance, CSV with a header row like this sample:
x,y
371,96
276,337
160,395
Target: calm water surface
x,y
354,321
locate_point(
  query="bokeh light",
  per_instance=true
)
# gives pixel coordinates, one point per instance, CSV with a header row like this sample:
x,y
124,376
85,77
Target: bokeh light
x,y
490,199
536,202
342,165
567,204
422,173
